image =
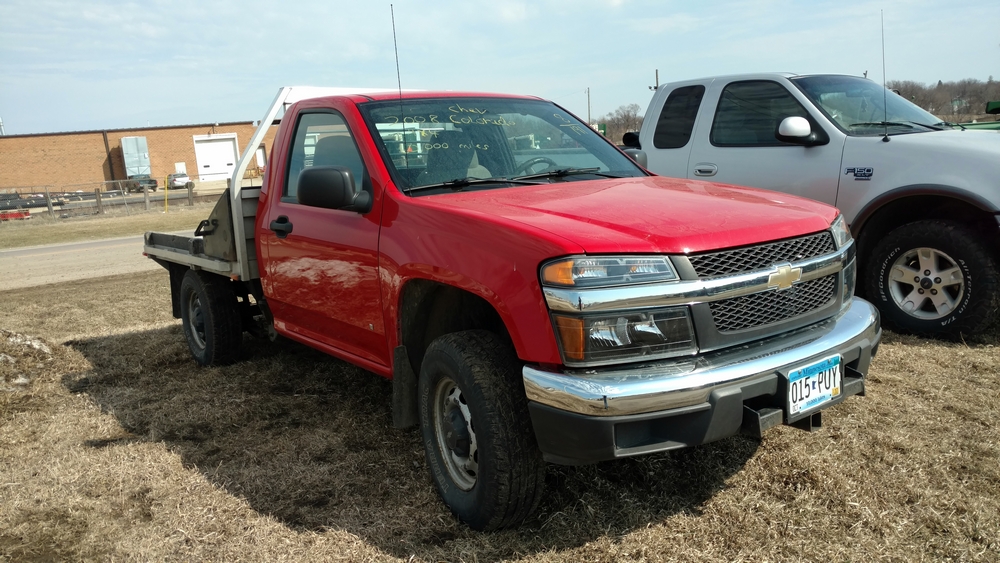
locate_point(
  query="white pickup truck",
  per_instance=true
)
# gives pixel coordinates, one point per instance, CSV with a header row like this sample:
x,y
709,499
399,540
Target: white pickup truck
x,y
922,197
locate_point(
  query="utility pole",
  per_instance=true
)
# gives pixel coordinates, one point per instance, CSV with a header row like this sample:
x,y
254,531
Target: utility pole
x,y
656,82
588,106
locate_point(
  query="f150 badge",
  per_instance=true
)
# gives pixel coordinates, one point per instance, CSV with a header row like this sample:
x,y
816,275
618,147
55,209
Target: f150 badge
x,y
860,174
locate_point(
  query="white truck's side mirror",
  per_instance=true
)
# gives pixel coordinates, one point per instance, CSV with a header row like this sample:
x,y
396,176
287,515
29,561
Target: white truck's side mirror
x,y
798,130
639,156
794,126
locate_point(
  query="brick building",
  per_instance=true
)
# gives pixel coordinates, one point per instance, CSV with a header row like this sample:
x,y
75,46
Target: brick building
x,y
206,152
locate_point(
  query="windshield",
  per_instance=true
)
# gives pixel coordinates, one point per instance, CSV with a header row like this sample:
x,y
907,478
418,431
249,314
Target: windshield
x,y
861,107
485,143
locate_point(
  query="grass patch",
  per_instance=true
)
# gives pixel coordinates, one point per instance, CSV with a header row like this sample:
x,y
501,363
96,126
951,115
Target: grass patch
x,y
42,229
114,445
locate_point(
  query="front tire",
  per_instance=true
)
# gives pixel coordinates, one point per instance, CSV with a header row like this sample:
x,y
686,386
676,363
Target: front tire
x,y
210,318
480,446
933,278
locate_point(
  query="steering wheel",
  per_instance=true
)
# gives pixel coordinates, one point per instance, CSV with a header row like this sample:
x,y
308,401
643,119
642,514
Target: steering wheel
x,y
527,164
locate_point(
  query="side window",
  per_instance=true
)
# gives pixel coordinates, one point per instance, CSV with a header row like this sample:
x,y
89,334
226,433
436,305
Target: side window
x,y
749,113
322,139
673,129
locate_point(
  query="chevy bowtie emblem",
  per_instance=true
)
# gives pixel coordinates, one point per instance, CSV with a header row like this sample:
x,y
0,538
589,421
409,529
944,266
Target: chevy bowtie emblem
x,y
784,277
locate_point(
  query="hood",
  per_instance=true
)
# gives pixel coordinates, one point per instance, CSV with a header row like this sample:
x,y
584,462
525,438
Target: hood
x,y
982,143
650,214
952,159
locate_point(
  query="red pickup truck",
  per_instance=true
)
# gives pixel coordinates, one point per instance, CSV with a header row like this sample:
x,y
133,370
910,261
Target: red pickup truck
x,y
534,294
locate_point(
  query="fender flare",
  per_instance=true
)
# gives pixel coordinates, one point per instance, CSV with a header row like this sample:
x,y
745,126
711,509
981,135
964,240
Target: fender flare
x,y
901,192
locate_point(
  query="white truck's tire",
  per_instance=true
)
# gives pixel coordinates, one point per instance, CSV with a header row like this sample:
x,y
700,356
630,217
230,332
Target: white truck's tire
x,y
933,278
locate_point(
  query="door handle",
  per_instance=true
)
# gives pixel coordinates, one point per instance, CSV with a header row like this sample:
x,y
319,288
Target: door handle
x,y
705,169
281,226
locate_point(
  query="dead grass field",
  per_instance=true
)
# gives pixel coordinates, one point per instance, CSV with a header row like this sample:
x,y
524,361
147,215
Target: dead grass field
x,y
114,446
41,229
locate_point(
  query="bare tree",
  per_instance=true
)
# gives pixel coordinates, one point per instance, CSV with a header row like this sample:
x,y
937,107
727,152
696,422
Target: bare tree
x,y
961,99
624,119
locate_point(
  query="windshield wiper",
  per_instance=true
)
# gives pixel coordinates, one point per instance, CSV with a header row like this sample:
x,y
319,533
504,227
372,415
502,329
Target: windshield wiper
x,y
560,172
882,124
459,183
949,124
907,124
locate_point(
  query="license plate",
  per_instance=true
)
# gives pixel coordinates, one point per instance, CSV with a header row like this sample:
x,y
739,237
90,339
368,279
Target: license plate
x,y
814,385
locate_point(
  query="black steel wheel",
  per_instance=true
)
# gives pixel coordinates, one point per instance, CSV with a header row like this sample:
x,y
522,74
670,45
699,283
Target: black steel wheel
x,y
210,318
477,433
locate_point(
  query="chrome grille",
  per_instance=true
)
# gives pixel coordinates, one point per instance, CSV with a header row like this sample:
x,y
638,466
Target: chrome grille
x,y
759,309
762,256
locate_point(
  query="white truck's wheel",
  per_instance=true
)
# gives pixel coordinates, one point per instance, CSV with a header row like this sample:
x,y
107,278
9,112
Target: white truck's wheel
x,y
934,278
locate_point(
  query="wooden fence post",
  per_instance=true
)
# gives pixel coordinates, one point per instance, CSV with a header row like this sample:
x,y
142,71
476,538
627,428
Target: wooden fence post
x,y
48,202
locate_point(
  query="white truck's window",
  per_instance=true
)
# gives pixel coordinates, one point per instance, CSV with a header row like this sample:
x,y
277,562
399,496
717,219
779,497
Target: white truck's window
x,y
322,139
673,128
861,107
749,113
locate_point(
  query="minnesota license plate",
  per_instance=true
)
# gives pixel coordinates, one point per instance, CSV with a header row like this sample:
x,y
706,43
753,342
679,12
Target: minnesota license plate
x,y
814,385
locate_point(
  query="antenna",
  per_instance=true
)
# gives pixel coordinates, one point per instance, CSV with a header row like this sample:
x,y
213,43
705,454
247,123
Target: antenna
x,y
399,83
399,86
885,108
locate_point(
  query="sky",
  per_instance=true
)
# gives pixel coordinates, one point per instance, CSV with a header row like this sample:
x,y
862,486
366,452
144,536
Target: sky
x,y
74,65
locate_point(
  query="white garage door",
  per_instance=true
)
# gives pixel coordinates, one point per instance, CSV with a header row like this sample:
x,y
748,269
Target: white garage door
x,y
216,156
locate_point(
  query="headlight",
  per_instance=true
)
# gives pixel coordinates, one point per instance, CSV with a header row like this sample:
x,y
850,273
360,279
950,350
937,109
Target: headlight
x,y
605,271
625,336
841,234
850,282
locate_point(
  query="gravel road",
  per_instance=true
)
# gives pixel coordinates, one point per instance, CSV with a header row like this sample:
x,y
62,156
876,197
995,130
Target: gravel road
x,y
40,265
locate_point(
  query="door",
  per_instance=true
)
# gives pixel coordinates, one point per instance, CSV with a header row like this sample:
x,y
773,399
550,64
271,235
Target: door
x,y
671,136
737,144
216,156
321,265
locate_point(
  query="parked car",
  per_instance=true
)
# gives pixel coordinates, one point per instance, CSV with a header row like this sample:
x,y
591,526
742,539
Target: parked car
x,y
139,181
178,180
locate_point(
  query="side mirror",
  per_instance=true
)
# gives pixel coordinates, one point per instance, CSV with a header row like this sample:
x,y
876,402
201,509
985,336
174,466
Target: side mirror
x,y
331,187
638,156
797,130
631,139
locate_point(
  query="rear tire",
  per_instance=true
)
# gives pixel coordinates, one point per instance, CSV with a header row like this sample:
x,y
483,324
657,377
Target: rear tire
x,y
210,318
477,433
934,278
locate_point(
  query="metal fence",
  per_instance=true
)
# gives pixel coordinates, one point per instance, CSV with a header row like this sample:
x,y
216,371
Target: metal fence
x,y
92,198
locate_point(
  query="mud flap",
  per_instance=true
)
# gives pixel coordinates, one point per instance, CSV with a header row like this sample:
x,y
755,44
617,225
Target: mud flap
x,y
404,390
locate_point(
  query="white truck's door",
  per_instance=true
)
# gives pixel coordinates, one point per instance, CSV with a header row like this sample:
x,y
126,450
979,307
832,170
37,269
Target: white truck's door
x,y
734,141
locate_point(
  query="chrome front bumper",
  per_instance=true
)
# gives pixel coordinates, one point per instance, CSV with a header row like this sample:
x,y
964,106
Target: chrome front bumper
x,y
588,416
683,382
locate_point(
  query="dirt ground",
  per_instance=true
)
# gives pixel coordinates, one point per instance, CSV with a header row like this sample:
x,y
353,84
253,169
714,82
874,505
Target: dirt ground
x,y
115,446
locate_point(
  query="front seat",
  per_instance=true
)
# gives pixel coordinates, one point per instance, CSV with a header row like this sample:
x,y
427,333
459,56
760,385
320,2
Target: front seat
x,y
456,162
